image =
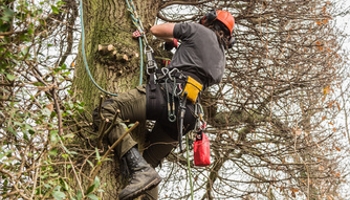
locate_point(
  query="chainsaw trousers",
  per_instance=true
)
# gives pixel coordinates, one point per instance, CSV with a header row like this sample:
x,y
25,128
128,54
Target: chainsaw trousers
x,y
155,144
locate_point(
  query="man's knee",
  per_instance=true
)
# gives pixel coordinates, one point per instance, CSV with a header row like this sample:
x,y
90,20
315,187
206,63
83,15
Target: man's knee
x,y
107,111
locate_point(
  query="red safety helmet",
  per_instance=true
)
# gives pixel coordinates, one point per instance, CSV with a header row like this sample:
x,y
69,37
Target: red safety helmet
x,y
226,18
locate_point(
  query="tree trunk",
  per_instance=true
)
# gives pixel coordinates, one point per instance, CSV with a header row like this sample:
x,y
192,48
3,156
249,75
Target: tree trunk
x,y
114,61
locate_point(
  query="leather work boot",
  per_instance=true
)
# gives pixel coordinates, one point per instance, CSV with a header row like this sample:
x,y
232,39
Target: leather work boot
x,y
151,194
143,176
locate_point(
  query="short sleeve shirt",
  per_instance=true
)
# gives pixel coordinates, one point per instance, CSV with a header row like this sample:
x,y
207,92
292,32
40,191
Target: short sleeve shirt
x,y
200,52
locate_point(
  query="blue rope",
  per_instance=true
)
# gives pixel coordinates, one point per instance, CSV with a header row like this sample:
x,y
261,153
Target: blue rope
x,y
136,21
84,54
83,51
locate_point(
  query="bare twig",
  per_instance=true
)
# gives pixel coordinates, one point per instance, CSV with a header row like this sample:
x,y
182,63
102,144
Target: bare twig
x,y
99,163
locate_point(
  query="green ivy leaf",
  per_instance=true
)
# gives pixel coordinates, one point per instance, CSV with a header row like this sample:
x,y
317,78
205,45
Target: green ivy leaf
x,y
58,195
53,152
25,49
10,77
30,129
98,157
79,196
90,189
55,10
64,184
7,15
38,84
2,155
92,197
96,184
54,136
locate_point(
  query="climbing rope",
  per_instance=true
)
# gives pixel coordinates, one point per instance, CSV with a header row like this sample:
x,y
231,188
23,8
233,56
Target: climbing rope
x,y
189,165
138,24
148,50
136,19
151,64
83,52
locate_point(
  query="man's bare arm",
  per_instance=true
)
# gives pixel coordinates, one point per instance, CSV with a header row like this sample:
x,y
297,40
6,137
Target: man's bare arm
x,y
163,31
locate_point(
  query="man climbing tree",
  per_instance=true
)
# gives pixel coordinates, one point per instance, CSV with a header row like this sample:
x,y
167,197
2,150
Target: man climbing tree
x,y
197,64
273,120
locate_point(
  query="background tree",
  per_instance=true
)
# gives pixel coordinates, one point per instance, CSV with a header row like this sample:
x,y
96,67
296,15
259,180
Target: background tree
x,y
275,121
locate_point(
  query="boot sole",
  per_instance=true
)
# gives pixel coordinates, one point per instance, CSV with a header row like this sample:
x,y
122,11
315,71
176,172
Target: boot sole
x,y
151,185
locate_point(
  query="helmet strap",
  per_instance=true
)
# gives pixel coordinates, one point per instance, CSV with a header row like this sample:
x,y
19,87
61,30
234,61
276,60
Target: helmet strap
x,y
231,42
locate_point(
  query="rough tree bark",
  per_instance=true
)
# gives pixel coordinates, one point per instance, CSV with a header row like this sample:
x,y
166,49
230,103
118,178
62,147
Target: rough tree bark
x,y
114,61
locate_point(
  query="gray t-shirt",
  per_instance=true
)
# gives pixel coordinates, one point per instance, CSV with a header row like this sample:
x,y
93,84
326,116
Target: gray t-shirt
x,y
199,53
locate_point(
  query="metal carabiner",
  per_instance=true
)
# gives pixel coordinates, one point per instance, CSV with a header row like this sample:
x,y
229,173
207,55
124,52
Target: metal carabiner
x,y
165,71
151,63
170,73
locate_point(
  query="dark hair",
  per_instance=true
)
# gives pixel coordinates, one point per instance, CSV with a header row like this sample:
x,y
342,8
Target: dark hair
x,y
221,31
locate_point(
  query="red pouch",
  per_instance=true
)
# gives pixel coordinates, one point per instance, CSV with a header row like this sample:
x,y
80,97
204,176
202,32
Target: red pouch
x,y
201,150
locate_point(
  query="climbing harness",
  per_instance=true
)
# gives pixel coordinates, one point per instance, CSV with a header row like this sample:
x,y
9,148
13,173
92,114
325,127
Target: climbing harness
x,y
171,103
153,91
182,116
